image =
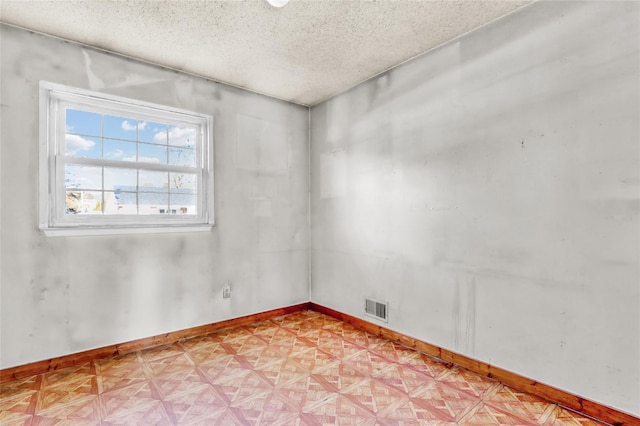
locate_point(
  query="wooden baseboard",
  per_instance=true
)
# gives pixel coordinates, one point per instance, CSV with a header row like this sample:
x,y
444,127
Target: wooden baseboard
x,y
566,399
554,395
71,360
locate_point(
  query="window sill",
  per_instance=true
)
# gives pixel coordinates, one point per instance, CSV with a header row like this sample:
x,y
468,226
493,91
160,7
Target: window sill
x,y
79,231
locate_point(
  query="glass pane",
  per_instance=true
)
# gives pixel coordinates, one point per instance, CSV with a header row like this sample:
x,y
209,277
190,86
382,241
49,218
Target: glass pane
x,y
152,153
182,136
152,132
120,179
84,202
153,181
119,202
183,203
119,150
82,146
153,203
83,122
84,177
120,128
183,182
182,156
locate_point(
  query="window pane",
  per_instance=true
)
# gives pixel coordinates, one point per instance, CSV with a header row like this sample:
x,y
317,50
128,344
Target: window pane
x,y
83,202
183,203
120,179
120,128
153,181
83,122
153,203
152,153
119,150
119,202
82,146
116,163
187,182
152,132
182,156
182,136
82,177
182,197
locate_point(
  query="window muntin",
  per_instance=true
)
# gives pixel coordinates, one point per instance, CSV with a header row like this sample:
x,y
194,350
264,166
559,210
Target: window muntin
x,y
113,162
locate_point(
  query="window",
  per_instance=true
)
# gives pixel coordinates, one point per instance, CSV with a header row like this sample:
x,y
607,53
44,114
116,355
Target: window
x,y
115,165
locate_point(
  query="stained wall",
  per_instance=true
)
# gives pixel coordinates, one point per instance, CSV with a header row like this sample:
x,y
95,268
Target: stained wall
x,y
63,295
489,191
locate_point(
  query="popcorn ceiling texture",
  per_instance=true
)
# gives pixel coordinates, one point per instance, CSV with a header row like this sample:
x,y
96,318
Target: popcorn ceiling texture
x,y
303,53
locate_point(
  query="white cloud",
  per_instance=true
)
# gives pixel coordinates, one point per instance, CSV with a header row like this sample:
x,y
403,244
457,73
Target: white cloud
x,y
88,182
75,143
128,126
84,177
180,136
116,154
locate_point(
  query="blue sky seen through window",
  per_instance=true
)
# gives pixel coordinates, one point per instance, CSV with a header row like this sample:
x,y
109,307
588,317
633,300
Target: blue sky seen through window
x,y
84,122
128,189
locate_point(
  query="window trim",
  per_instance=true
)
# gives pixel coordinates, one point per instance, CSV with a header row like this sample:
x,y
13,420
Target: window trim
x,y
52,219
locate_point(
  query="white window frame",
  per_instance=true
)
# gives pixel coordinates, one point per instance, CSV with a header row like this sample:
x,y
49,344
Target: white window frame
x,y
53,220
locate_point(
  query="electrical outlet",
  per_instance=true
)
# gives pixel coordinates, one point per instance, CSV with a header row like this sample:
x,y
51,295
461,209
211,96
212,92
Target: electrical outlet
x,y
226,291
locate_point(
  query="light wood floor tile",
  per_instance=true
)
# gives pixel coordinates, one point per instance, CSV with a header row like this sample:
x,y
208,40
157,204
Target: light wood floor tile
x,y
303,368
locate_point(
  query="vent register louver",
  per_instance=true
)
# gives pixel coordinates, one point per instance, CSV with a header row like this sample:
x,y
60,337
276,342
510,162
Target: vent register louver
x,y
376,309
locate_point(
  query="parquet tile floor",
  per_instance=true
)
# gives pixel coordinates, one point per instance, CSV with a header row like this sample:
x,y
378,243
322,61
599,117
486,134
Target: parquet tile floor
x,y
299,369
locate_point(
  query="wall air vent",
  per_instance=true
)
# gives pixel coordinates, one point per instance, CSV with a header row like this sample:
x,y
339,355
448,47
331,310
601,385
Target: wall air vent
x,y
376,309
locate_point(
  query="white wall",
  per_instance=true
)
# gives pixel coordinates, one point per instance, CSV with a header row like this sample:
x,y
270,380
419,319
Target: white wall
x,y
65,295
489,190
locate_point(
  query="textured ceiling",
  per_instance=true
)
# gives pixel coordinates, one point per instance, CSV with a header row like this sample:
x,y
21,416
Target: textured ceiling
x,y
303,53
